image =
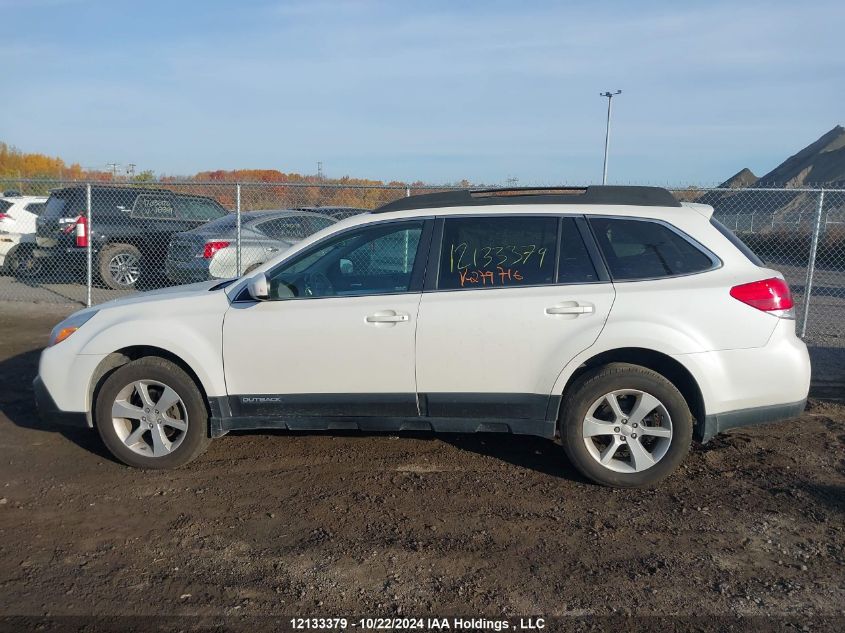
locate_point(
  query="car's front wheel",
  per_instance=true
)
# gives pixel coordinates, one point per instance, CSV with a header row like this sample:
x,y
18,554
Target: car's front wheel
x,y
626,426
151,414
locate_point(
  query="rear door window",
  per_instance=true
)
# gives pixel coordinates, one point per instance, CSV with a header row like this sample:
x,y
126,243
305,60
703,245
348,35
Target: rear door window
x,y
497,252
643,249
314,224
574,265
286,228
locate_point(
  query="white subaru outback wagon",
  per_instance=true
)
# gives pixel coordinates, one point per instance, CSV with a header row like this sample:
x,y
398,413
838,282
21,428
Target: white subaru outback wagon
x,y
615,320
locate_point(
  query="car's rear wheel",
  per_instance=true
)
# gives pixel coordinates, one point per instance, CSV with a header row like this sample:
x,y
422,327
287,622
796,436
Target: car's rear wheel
x,y
151,414
120,266
21,262
625,425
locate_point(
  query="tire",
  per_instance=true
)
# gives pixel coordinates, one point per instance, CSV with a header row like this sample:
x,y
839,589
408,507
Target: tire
x,y
185,423
609,436
120,266
20,262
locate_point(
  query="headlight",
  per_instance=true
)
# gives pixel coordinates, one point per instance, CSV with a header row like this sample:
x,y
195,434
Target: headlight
x,y
69,326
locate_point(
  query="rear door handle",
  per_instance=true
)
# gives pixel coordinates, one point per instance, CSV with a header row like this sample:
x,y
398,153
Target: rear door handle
x,y
582,309
387,318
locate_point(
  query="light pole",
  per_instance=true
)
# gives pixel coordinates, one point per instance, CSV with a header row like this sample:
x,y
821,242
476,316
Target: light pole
x,y
609,96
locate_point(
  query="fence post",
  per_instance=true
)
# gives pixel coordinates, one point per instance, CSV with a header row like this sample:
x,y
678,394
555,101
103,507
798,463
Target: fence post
x,y
811,264
238,225
88,258
407,192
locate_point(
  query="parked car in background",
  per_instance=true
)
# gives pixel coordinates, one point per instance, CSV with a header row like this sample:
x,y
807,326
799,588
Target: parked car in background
x,y
18,213
209,251
338,213
614,320
17,232
129,233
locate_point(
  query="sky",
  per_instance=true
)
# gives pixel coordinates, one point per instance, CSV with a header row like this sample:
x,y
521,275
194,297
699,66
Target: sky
x,y
436,91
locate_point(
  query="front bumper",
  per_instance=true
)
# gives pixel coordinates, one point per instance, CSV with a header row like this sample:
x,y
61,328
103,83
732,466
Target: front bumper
x,y
718,422
50,412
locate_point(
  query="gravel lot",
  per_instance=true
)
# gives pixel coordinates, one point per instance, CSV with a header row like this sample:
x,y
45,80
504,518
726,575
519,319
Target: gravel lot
x,y
370,525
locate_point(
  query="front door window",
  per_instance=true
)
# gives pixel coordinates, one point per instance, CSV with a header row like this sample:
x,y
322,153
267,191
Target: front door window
x,y
371,261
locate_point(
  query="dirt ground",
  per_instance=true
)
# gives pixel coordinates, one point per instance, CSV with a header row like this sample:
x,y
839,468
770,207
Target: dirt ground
x,y
292,524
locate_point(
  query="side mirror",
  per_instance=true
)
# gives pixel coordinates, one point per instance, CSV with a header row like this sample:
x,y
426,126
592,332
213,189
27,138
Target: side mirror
x,y
259,288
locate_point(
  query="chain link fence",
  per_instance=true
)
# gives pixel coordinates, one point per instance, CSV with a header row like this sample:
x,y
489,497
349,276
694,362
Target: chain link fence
x,y
90,242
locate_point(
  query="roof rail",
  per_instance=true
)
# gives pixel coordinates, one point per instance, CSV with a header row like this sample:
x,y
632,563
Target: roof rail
x,y
597,194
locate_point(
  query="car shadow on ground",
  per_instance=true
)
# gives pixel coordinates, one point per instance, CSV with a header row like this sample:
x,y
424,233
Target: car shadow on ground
x,y
17,403
524,451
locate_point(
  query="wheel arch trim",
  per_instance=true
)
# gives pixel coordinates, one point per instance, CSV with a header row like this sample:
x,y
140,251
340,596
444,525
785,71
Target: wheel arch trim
x,y
663,362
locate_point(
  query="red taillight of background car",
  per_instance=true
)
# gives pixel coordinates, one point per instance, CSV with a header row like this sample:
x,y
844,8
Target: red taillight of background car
x,y
212,247
4,216
767,295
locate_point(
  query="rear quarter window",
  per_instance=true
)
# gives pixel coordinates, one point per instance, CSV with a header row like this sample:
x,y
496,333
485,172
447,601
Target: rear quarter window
x,y
645,249
740,245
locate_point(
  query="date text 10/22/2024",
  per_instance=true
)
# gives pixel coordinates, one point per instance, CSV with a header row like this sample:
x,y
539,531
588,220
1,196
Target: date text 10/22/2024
x,y
418,624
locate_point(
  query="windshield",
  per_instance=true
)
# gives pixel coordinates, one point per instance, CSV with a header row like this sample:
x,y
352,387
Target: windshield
x,y
201,209
224,224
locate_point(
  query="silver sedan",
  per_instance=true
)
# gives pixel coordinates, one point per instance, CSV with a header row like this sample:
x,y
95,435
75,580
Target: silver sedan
x,y
209,251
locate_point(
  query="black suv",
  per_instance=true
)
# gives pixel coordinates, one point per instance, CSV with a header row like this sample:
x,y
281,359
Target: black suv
x,y
130,229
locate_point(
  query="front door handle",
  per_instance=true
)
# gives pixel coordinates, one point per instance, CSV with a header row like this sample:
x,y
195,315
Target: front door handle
x,y
574,309
387,317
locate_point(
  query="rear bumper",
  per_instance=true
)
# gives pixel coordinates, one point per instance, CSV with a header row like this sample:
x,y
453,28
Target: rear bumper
x,y
66,255
50,412
719,422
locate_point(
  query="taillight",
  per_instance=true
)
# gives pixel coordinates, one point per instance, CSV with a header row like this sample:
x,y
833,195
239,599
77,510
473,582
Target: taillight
x,y
212,247
768,295
4,216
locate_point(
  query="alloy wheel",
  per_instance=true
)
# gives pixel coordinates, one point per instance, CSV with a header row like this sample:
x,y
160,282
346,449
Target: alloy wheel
x,y
150,418
124,268
627,430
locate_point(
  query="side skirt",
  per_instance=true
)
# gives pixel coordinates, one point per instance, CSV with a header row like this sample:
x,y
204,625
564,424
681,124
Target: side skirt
x,y
542,428
521,414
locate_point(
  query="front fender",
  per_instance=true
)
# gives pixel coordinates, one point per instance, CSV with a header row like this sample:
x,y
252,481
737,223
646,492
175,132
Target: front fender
x,y
188,326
